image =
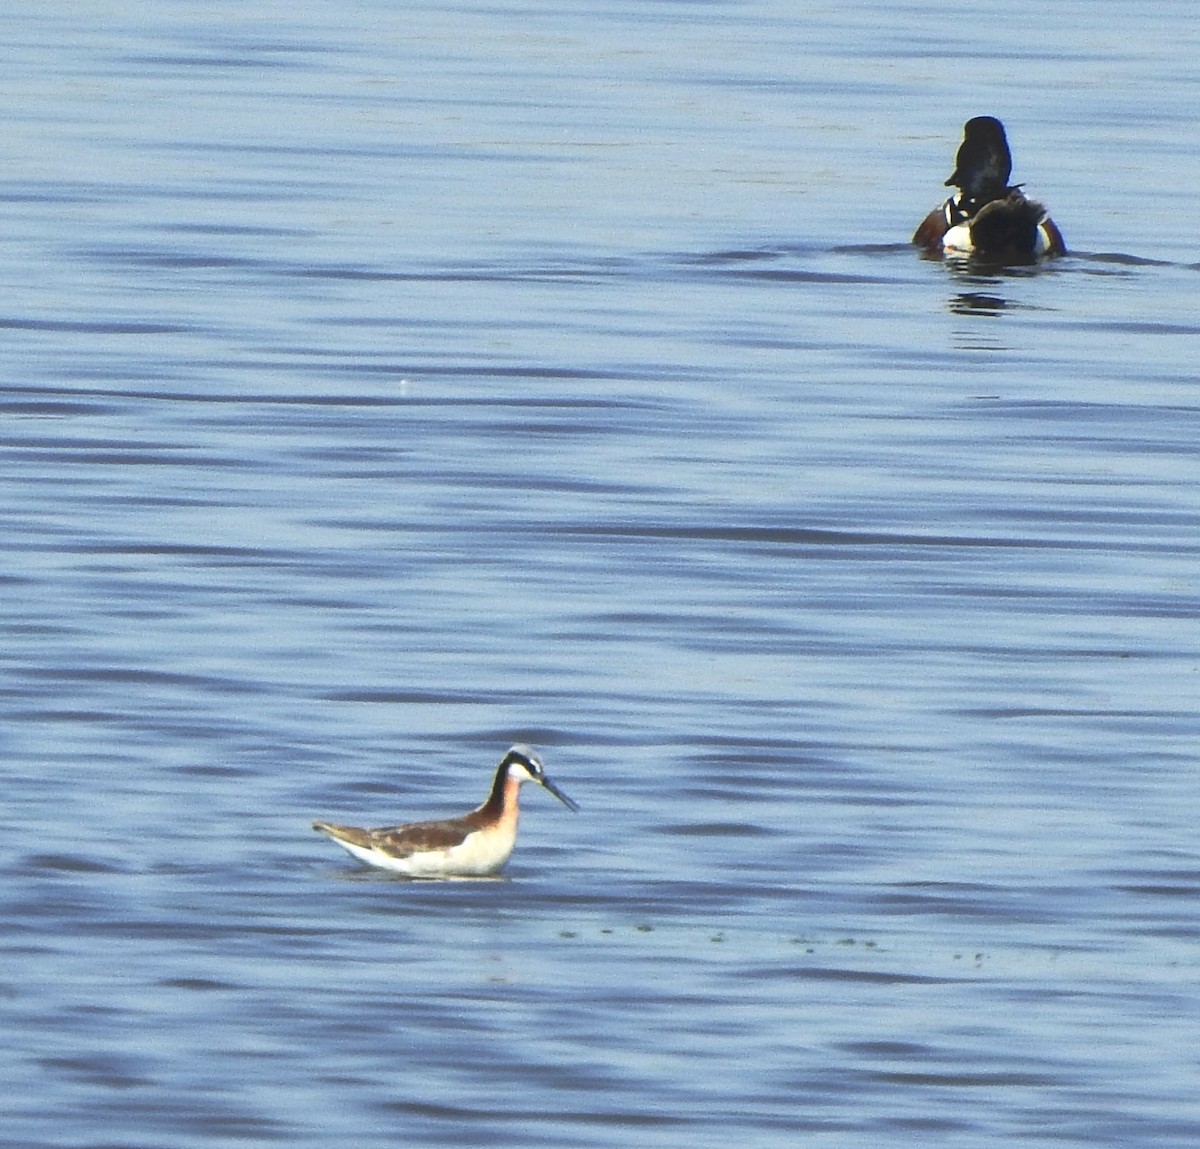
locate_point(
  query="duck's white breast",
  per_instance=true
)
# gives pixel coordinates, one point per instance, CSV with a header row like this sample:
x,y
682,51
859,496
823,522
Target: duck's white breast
x,y
958,238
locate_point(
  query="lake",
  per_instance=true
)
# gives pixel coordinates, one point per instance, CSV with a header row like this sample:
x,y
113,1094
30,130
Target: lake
x,y
386,384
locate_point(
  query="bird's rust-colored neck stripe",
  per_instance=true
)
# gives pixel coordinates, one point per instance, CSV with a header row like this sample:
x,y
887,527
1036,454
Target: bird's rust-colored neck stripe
x,y
504,791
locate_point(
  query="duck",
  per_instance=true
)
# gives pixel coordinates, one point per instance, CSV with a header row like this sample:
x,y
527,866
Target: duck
x,y
988,218
475,845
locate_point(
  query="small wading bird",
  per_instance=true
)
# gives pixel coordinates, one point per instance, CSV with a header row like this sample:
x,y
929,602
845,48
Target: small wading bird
x,y
988,218
473,846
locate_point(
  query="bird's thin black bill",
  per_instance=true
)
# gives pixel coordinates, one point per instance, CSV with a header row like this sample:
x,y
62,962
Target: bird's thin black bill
x,y
570,805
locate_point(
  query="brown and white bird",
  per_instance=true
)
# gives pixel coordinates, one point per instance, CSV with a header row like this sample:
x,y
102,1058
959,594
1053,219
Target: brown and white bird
x,y
473,846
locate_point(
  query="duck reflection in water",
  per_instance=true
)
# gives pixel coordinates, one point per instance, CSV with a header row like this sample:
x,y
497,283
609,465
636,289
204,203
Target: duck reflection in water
x,y
977,303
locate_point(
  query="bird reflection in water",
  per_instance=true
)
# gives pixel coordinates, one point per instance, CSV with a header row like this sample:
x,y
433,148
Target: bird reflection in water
x,y
977,303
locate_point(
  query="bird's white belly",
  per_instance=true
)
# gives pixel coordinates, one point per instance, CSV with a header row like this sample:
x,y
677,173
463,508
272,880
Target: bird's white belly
x,y
476,856
958,238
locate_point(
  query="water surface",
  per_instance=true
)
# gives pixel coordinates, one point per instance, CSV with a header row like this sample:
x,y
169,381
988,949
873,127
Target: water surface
x,y
383,387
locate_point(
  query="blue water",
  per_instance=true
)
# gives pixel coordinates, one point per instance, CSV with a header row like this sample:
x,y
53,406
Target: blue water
x,y
382,385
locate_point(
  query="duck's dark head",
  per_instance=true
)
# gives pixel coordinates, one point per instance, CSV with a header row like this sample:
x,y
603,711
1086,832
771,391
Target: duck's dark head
x,y
983,163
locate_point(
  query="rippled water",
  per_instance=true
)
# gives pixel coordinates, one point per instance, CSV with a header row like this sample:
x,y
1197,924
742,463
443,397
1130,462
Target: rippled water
x,y
383,385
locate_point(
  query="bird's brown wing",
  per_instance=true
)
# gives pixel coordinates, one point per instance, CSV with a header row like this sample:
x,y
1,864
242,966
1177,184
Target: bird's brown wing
x,y
351,834
403,841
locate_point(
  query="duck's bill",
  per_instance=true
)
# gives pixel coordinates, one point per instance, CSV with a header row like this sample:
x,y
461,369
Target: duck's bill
x,y
570,805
